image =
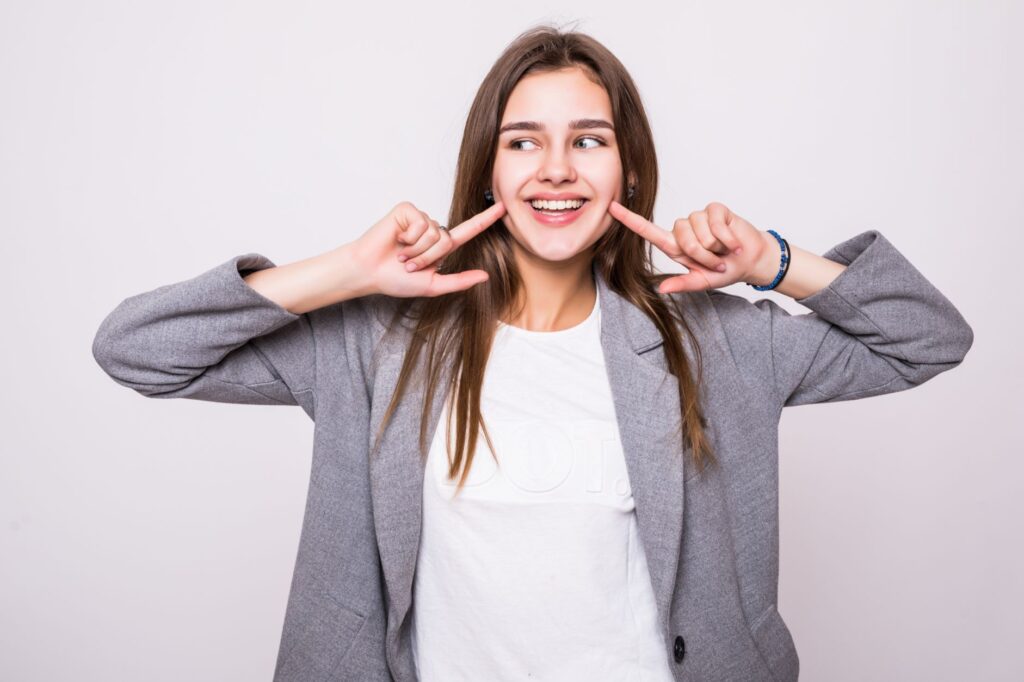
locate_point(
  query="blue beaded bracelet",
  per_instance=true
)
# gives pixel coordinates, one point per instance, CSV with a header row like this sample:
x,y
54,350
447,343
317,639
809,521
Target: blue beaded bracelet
x,y
783,266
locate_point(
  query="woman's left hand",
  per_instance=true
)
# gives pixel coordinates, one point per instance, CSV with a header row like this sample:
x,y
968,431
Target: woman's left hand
x,y
704,242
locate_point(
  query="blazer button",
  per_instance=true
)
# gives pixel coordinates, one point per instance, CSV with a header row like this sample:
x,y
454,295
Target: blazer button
x,y
679,649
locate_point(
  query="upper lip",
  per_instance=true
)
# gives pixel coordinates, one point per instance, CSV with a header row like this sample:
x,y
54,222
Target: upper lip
x,y
556,196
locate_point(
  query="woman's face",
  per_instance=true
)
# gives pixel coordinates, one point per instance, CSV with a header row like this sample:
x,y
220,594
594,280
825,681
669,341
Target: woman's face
x,y
543,151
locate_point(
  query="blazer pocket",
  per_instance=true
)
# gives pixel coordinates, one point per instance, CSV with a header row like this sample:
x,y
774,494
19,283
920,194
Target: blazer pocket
x,y
326,638
775,643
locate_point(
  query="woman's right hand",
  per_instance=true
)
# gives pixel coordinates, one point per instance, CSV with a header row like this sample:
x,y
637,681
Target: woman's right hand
x,y
410,232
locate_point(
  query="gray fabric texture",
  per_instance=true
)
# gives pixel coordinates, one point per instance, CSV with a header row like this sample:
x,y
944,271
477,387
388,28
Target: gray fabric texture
x,y
711,540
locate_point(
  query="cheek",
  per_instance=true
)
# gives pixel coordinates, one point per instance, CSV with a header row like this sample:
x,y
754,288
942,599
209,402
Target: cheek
x,y
509,182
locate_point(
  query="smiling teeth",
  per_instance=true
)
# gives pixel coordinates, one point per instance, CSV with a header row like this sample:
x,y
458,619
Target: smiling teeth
x,y
556,205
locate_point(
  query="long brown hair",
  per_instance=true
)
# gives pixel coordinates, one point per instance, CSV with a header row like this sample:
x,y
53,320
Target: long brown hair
x,y
458,329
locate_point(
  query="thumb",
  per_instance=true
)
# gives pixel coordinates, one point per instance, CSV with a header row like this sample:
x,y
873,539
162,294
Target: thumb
x,y
690,281
446,284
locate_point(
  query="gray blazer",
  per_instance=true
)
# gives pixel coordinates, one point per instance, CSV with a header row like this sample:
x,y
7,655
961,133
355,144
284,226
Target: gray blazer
x,y
711,540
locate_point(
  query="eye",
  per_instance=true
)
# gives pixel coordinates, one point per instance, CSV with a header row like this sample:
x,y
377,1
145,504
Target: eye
x,y
598,140
513,143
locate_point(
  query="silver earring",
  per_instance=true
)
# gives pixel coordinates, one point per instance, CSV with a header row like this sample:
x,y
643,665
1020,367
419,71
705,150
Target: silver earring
x,y
631,192
488,196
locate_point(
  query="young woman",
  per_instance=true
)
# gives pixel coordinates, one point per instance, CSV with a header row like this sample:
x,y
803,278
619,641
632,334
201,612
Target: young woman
x,y
618,518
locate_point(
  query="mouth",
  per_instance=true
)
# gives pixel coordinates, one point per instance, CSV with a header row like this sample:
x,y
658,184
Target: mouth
x,y
557,217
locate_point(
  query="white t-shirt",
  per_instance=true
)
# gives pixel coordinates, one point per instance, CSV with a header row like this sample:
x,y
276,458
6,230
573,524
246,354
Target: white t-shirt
x,y
536,570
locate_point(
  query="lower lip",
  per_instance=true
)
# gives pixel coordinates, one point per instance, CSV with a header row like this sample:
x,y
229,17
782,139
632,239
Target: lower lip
x,y
563,218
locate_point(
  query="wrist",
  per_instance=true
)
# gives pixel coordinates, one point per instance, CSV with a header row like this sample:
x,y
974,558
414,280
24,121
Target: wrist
x,y
767,266
348,275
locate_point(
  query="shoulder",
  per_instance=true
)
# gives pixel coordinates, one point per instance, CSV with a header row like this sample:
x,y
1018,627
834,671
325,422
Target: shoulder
x,y
362,322
737,313
731,328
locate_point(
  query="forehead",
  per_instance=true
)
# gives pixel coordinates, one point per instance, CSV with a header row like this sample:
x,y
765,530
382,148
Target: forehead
x,y
557,97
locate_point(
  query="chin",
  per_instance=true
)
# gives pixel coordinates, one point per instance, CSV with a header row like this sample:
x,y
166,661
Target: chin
x,y
558,245
556,253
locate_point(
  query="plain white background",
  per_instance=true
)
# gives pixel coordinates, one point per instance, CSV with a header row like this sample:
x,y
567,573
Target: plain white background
x,y
144,143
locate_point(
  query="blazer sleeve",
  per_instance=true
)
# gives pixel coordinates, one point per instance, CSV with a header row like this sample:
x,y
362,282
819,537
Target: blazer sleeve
x,y
212,337
879,327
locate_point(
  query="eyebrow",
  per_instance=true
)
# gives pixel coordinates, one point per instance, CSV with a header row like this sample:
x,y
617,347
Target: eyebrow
x,y
578,124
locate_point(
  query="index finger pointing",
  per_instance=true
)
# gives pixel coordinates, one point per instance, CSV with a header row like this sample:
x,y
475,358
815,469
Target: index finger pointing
x,y
470,228
663,239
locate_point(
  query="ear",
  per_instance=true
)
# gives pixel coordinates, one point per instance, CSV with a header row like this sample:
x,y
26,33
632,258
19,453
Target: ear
x,y
632,179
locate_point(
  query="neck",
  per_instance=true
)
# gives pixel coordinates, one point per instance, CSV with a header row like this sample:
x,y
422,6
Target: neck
x,y
554,296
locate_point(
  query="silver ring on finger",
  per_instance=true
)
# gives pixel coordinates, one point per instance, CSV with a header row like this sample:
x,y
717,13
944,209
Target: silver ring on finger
x,y
442,227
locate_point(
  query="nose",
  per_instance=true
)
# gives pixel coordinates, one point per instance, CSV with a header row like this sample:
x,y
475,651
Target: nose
x,y
557,167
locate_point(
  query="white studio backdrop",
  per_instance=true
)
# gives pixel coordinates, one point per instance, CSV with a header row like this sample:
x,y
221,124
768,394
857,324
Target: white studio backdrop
x,y
144,143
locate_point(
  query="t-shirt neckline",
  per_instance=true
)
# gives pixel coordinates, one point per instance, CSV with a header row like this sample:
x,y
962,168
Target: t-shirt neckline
x,y
558,333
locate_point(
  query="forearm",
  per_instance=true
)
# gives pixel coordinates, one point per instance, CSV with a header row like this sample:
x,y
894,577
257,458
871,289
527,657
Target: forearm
x,y
808,272
312,283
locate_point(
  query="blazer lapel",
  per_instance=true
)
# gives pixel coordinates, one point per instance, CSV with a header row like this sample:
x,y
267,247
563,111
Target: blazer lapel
x,y
648,414
396,484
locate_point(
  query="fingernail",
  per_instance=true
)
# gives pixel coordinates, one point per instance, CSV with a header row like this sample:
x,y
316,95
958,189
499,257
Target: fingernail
x,y
402,258
410,266
721,267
